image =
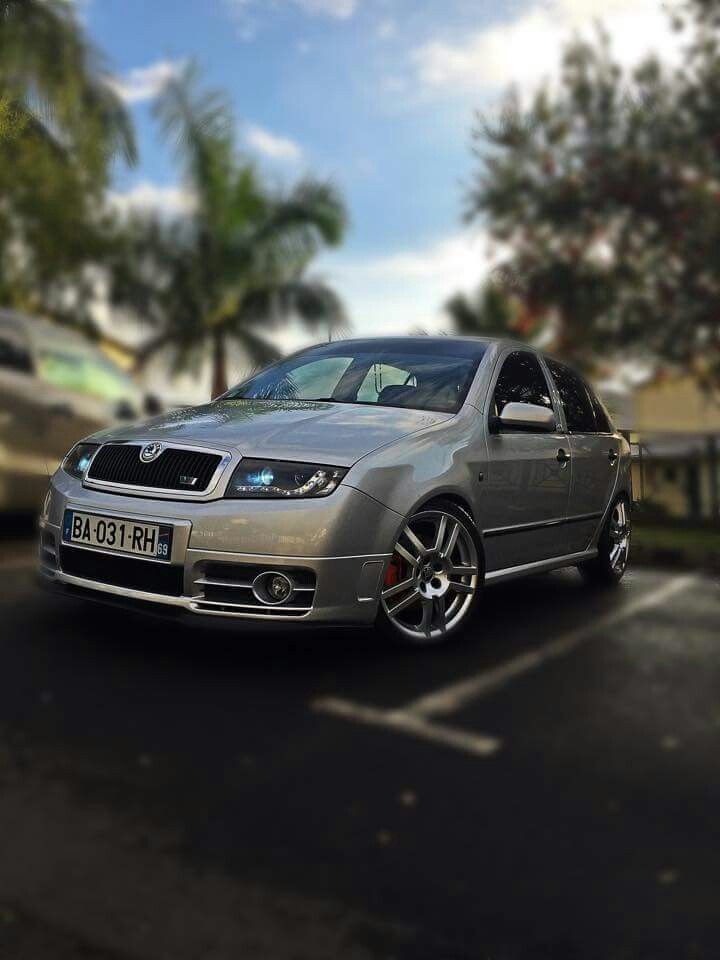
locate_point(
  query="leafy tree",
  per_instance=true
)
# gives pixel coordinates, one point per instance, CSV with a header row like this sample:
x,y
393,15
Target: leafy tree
x,y
61,126
606,188
237,264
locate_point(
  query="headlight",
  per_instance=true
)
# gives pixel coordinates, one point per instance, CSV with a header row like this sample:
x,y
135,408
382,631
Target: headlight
x,y
76,463
278,479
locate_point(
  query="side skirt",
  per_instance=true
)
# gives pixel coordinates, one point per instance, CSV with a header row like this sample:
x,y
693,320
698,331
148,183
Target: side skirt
x,y
540,566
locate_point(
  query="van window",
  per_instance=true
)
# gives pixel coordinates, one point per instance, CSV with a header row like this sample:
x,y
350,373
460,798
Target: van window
x,y
14,351
84,372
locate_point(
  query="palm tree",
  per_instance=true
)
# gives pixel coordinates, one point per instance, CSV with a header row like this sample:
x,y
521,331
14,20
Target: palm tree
x,y
237,263
61,126
53,86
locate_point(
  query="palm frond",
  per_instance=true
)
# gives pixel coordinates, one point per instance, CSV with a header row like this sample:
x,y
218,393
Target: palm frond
x,y
312,301
48,65
313,211
199,123
258,350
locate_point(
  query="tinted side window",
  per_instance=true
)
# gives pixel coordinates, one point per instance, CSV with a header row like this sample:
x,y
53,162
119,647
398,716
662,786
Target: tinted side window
x,y
521,380
579,412
14,354
601,418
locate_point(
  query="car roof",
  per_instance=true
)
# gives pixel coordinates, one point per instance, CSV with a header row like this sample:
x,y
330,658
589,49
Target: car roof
x,y
472,347
420,339
40,331
441,341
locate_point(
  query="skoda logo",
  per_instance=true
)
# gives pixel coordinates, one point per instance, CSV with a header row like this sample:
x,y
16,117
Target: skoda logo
x,y
150,452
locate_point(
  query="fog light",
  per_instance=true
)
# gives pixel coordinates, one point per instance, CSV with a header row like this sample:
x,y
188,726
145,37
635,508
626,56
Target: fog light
x,y
279,587
272,587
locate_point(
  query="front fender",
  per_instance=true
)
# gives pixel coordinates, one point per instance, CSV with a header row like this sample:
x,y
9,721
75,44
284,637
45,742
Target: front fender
x,y
446,459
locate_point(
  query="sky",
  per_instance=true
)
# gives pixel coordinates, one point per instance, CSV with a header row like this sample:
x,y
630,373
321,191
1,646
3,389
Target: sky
x,y
379,96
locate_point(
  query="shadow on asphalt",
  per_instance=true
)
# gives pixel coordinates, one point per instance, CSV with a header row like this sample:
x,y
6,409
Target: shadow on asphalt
x,y
583,830
305,662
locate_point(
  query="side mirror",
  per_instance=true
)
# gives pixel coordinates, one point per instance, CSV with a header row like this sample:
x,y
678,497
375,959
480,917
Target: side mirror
x,y
526,416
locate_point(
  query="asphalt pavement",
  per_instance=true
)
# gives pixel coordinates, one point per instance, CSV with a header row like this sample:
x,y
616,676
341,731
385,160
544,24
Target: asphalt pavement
x,y
546,788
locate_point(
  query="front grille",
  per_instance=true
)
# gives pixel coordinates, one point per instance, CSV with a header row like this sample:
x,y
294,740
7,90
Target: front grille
x,y
227,588
174,469
128,572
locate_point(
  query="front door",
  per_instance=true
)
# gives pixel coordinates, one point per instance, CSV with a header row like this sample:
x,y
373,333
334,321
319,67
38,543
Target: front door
x,y
528,481
595,453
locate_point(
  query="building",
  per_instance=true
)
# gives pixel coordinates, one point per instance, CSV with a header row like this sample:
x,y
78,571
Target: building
x,y
675,426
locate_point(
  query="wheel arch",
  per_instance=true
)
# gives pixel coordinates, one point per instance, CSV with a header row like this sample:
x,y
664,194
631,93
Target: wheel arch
x,y
445,497
457,500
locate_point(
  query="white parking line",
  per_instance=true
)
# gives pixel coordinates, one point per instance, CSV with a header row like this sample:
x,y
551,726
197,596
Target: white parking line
x,y
413,717
405,722
454,697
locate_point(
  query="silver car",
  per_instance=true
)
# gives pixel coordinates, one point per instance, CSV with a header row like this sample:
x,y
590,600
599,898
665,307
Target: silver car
x,y
362,481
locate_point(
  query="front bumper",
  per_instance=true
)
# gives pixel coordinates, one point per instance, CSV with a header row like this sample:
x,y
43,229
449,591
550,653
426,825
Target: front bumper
x,y
334,549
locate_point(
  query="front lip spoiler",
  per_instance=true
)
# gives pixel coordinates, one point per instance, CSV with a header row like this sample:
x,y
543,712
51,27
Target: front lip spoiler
x,y
191,605
178,613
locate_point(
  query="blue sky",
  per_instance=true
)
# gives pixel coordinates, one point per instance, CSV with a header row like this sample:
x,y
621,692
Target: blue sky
x,y
378,95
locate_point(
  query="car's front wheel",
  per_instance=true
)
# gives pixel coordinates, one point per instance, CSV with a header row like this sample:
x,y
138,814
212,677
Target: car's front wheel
x,y
433,580
611,562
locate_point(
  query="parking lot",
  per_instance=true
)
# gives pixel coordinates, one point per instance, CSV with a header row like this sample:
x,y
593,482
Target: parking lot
x,y
547,788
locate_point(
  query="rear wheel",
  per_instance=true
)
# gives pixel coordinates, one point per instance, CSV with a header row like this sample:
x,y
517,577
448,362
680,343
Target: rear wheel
x,y
433,580
613,548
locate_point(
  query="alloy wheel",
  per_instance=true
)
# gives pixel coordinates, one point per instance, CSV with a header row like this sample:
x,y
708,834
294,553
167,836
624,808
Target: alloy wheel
x,y
432,577
619,537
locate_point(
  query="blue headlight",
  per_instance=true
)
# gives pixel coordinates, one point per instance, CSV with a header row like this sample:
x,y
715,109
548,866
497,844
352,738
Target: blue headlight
x,y
77,462
280,480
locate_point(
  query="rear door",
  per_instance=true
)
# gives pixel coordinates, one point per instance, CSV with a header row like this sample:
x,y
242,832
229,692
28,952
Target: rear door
x,y
594,450
528,482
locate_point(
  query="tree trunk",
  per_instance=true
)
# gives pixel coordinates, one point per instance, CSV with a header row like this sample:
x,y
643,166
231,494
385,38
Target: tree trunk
x,y
219,366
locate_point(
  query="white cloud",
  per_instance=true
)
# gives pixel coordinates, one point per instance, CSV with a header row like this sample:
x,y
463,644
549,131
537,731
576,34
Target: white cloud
x,y
146,196
339,9
145,83
405,290
386,29
271,145
527,49
336,9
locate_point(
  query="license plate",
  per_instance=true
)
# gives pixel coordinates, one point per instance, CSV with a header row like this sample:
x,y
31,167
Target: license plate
x,y
118,536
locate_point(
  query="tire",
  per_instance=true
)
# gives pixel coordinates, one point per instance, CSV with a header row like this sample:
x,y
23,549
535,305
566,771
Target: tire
x,y
433,581
608,568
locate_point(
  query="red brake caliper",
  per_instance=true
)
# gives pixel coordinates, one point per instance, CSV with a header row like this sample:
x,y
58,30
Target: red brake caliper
x,y
392,574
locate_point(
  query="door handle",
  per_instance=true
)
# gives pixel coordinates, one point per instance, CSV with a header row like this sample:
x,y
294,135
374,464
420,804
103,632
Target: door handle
x,y
612,457
563,457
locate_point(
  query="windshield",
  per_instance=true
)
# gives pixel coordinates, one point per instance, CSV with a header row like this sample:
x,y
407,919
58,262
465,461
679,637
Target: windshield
x,y
423,375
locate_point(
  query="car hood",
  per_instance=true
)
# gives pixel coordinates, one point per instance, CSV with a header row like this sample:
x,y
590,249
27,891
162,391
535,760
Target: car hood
x,y
310,431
